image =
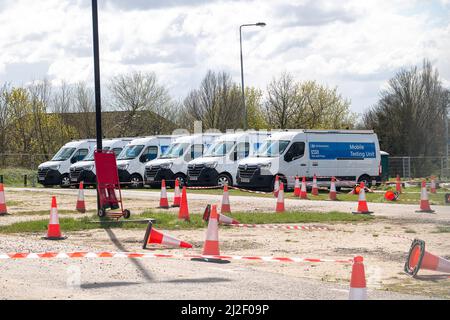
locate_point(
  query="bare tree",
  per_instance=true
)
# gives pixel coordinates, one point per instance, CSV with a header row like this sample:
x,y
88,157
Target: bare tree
x,y
84,105
5,117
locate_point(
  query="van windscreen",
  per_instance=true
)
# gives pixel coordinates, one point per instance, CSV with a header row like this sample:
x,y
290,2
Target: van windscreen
x,y
175,150
63,154
220,149
272,148
90,156
130,152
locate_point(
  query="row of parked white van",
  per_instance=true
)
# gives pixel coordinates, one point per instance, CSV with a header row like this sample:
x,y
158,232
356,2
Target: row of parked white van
x,y
246,159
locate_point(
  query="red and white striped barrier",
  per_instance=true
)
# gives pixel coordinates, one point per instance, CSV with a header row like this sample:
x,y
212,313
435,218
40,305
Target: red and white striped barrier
x,y
288,227
147,255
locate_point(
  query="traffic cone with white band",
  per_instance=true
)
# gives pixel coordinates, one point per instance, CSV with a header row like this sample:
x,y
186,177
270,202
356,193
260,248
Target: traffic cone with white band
x,y
222,218
358,289
177,195
276,186
280,199
154,236
362,203
433,185
163,201
225,200
3,209
424,202
81,205
315,190
398,185
211,246
419,258
303,193
183,213
332,195
297,187
54,231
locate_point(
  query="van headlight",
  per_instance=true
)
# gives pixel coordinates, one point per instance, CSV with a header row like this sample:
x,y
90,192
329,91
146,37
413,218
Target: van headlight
x,y
167,165
265,165
55,167
88,168
123,166
211,165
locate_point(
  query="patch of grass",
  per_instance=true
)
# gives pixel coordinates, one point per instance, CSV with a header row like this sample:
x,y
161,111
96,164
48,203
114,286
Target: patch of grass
x,y
13,203
442,229
170,221
13,177
410,231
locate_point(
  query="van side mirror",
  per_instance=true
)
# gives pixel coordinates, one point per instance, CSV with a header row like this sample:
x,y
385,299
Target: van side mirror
x,y
143,158
288,157
74,159
235,156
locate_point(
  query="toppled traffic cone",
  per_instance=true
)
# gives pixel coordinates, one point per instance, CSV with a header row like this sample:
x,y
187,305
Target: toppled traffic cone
x,y
276,186
211,246
183,213
81,205
163,201
362,203
225,200
314,190
303,193
227,220
207,213
332,195
154,236
419,258
3,209
280,199
433,185
424,202
391,195
54,231
398,185
358,289
177,194
297,187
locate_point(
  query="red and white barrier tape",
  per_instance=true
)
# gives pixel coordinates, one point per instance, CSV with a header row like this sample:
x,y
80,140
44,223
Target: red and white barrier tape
x,y
272,226
145,255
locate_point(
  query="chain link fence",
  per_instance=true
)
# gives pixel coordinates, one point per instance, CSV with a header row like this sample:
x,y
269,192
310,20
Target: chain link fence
x,y
419,167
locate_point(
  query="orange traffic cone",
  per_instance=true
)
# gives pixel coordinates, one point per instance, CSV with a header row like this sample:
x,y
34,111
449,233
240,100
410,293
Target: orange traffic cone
x,y
276,186
297,187
280,199
332,195
314,190
3,209
358,290
227,220
398,185
211,246
225,200
177,195
433,185
303,193
81,205
163,201
362,203
54,231
154,236
184,210
419,258
424,203
391,195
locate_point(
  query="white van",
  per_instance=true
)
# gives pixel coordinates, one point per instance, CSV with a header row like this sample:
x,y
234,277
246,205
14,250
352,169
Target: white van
x,y
131,161
84,170
56,171
173,164
220,162
348,155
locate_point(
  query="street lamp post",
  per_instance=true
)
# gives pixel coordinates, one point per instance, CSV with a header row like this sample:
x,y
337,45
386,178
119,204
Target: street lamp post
x,y
259,24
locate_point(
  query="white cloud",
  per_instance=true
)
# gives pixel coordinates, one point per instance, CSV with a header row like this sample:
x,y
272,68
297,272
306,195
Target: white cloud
x,y
355,45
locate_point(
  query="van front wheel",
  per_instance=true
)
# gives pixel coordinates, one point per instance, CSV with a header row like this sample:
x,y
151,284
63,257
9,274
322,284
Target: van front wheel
x,y
223,179
366,179
136,181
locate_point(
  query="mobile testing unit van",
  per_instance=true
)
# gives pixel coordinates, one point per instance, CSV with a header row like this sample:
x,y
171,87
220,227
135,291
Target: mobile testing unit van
x,y
173,165
219,164
56,171
131,161
348,155
84,170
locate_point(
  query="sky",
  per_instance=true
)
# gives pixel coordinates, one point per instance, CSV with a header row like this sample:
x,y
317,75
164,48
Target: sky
x,y
354,45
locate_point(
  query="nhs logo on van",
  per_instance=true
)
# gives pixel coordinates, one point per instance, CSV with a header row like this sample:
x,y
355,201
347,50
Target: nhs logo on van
x,y
341,150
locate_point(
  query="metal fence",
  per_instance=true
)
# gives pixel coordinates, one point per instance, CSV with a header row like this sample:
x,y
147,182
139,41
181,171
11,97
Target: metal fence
x,y
26,161
417,167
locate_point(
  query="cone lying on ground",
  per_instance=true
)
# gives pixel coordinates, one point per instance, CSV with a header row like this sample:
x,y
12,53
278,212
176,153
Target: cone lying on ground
x,y
391,195
303,193
276,186
3,209
362,203
81,205
225,200
419,258
297,187
332,194
177,194
54,231
398,185
222,218
211,246
163,201
358,289
183,213
433,185
315,190
280,199
155,236
424,202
